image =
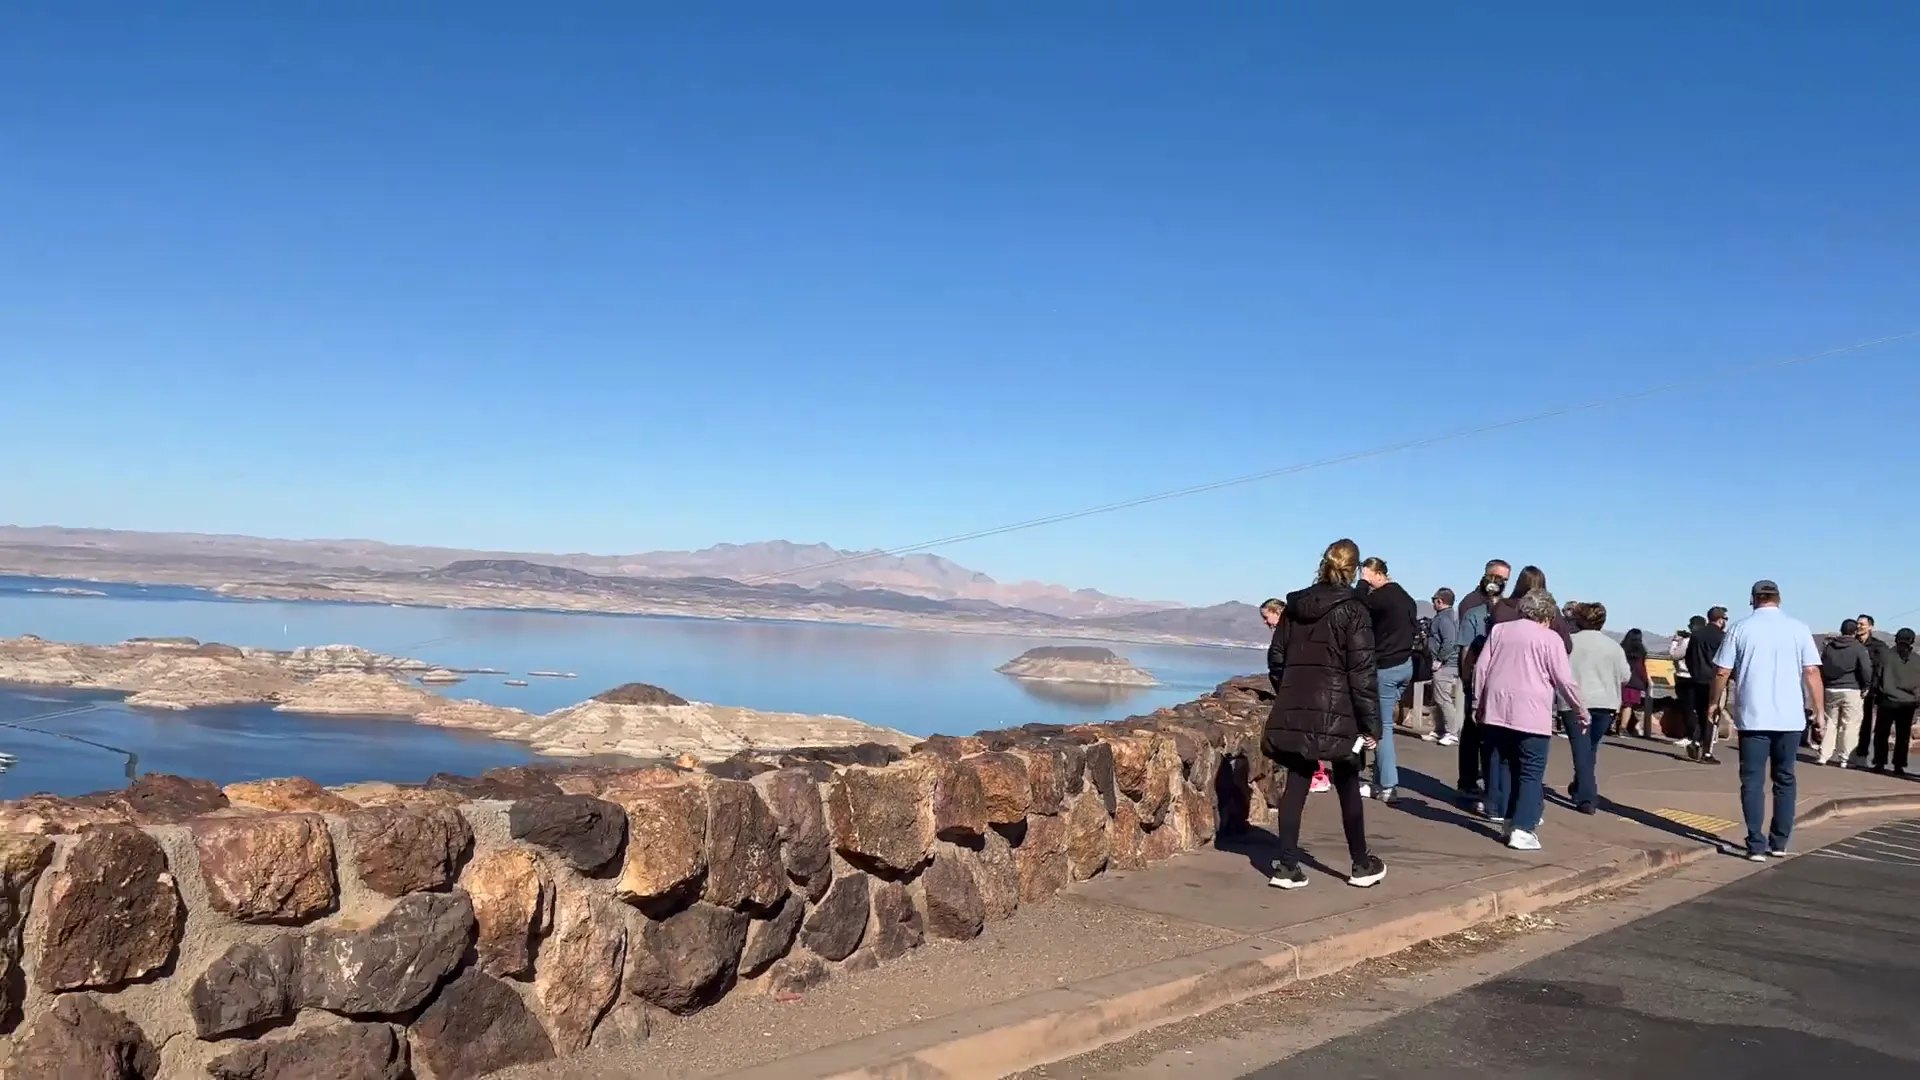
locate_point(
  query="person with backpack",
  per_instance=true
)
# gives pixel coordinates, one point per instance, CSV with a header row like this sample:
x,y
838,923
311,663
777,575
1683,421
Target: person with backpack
x,y
1326,707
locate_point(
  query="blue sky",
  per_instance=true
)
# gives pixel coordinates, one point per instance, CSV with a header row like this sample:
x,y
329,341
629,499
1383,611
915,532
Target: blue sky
x,y
604,277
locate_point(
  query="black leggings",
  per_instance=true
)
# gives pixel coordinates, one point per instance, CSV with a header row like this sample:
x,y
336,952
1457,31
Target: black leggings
x,y
1293,802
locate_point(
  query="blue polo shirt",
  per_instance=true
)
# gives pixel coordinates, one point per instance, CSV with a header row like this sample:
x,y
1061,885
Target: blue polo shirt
x,y
1768,654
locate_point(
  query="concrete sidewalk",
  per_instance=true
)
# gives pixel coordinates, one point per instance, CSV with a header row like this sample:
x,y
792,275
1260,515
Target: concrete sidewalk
x,y
1130,950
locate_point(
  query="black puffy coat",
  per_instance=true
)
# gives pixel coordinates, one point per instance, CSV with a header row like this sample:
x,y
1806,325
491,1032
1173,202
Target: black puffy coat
x,y
1326,687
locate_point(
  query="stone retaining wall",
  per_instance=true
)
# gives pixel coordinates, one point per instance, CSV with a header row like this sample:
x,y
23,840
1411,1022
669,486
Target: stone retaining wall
x,y
280,930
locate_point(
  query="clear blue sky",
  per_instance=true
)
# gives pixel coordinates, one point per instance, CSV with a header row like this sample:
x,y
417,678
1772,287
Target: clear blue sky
x,y
599,277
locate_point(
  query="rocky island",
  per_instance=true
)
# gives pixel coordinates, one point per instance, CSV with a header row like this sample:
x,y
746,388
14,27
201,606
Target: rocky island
x,y
1076,664
633,721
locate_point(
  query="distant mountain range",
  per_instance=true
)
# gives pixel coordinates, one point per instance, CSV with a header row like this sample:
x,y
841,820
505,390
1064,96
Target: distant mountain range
x,y
773,578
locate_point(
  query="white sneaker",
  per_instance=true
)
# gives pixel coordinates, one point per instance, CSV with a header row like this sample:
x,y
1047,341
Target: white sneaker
x,y
1683,743
1366,790
1449,739
1430,737
1522,840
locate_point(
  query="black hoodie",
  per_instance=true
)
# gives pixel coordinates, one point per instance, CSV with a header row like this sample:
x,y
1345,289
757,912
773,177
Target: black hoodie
x,y
1326,687
1845,664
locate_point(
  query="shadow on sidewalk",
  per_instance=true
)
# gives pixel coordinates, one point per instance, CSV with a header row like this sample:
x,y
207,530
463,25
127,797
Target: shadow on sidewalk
x,y
1442,808
1261,849
1643,818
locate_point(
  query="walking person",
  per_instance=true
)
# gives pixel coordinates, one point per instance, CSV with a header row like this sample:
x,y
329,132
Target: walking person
x,y
1899,696
1703,708
1870,696
1633,696
1601,669
1771,658
1326,707
1521,673
1846,670
1394,616
1476,616
1443,641
1677,652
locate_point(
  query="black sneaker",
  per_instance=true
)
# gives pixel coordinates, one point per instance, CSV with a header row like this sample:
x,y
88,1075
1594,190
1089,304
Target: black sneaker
x,y
1709,759
1693,752
1288,878
1368,874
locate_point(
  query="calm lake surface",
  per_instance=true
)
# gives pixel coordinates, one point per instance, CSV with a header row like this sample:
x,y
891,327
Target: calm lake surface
x,y
919,682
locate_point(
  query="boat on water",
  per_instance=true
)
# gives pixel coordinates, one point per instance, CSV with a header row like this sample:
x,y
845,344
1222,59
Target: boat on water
x,y
516,682
552,675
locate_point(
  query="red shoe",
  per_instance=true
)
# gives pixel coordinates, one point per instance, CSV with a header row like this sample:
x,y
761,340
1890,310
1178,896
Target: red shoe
x,y
1321,782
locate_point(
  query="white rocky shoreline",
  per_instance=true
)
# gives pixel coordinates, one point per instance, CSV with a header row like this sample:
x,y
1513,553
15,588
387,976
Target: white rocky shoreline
x,y
634,720
1077,664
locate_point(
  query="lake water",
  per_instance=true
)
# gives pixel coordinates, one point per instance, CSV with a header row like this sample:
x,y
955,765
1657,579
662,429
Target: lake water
x,y
919,682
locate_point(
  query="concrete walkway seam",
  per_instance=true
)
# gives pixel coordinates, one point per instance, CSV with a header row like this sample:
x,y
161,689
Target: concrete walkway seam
x,y
1127,1003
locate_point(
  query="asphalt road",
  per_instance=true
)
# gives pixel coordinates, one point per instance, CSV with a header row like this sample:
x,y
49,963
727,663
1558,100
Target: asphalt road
x,y
1810,969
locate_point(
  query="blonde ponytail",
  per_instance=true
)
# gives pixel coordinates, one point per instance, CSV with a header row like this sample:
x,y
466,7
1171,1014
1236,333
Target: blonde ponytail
x,y
1340,564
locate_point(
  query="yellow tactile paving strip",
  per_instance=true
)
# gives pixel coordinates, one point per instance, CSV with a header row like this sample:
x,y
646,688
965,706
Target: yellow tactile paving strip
x,y
1703,822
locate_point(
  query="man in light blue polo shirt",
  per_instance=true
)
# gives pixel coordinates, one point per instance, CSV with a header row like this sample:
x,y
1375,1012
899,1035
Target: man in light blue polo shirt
x,y
1770,657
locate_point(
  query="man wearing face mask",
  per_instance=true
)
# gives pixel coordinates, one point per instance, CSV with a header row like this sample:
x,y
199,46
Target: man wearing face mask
x,y
1476,619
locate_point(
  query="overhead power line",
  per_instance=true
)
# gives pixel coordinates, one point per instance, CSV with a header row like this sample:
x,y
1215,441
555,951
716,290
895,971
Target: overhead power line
x,y
1342,459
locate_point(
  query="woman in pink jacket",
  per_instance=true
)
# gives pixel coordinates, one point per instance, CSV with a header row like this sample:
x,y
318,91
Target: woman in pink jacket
x,y
1519,673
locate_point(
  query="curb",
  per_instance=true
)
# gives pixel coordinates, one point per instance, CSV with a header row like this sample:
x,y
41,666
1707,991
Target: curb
x,y
1012,1037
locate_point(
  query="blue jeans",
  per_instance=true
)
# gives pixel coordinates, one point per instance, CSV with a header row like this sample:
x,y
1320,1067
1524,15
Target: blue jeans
x,y
1516,776
1761,753
1586,748
1393,683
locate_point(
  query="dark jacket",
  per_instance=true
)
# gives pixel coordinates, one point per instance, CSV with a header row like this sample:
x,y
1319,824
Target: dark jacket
x,y
1900,678
1326,687
1395,618
1701,649
1877,651
1845,664
1508,610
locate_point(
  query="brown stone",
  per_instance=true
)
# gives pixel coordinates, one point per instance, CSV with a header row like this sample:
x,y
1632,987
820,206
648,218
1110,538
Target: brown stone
x,y
580,966
896,922
997,872
687,961
955,910
506,783
80,1039
1195,814
1126,838
475,1026
959,801
950,747
1088,843
53,815
161,799
1161,844
22,858
883,817
1100,774
806,845
391,966
1131,753
1042,859
1046,778
334,1052
113,913
666,834
248,984
770,938
1009,791
836,924
287,794
793,976
585,831
743,849
1165,777
508,894
404,849
275,868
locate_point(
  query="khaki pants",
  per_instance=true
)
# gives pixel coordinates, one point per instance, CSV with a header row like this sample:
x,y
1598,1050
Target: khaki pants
x,y
1844,715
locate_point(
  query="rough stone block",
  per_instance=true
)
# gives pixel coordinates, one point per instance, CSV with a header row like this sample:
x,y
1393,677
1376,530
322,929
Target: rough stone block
x,y
475,1026
769,939
113,913
955,909
806,844
509,897
391,966
334,1052
688,960
585,831
80,1039
404,849
275,868
836,924
1009,790
744,869
248,984
580,966
883,817
666,834
1042,859
1089,844
896,922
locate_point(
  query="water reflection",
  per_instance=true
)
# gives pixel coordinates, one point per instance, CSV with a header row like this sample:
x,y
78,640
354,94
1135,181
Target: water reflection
x,y
1094,697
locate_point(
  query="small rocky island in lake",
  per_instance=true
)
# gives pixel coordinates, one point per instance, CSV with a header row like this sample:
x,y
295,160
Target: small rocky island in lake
x,y
1076,664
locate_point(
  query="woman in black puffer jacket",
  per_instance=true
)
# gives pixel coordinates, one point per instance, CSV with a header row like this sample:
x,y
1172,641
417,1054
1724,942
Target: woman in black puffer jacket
x,y
1326,707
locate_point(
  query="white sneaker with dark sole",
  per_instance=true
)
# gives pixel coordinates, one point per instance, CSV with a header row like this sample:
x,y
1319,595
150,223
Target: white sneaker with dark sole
x,y
1522,840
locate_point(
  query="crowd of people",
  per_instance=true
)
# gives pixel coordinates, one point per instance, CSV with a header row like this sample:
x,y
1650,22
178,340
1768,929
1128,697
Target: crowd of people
x,y
1508,670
